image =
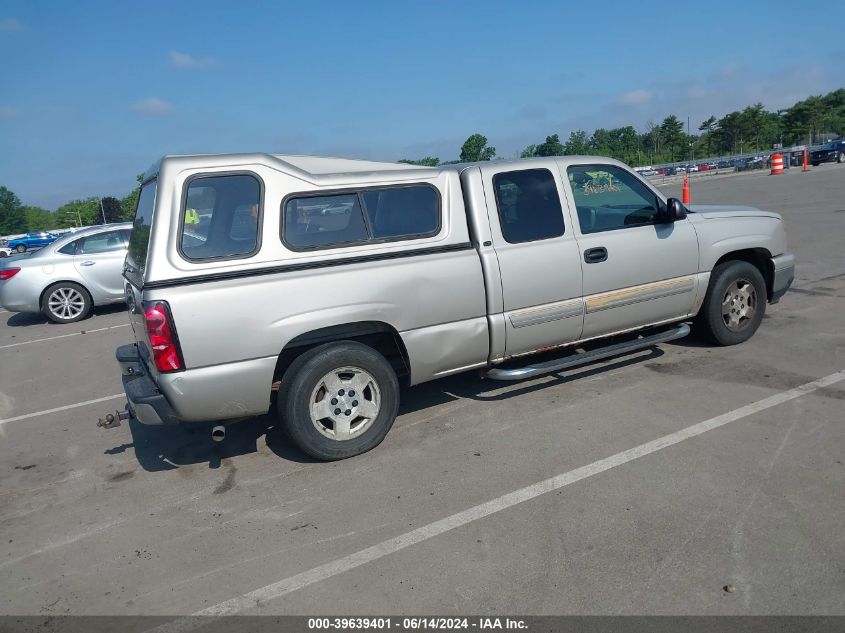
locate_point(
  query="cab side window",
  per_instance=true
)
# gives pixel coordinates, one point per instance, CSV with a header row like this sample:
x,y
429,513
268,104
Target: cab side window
x,y
529,205
609,198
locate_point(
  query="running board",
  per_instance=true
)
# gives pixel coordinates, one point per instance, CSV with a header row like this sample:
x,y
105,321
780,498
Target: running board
x,y
576,360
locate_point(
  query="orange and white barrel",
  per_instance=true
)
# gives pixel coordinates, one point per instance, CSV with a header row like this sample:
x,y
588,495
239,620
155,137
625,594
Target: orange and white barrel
x,y
777,164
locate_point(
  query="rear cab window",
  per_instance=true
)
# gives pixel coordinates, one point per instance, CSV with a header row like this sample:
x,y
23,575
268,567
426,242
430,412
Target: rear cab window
x,y
139,239
360,216
529,205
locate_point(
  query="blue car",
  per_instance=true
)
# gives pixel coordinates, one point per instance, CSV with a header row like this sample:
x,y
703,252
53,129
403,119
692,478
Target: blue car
x,y
34,239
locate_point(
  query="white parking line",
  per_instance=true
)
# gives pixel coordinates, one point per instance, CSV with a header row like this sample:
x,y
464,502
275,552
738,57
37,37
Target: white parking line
x,y
64,408
281,588
53,338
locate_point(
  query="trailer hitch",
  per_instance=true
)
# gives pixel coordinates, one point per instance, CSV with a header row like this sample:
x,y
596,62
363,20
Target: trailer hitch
x,y
112,420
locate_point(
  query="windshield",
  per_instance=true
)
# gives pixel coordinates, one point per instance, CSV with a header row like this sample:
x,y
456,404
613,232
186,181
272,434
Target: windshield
x,y
139,241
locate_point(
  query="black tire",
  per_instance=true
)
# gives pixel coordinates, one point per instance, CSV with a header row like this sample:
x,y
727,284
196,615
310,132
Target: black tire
x,y
710,323
3,254
20,248
815,164
304,379
840,158
80,309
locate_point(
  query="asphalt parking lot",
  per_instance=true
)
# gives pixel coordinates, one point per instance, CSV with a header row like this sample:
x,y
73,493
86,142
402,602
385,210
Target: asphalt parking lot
x,y
139,520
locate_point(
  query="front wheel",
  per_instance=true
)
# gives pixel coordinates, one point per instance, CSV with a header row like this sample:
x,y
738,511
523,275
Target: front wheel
x,y
734,304
840,157
66,302
338,400
20,248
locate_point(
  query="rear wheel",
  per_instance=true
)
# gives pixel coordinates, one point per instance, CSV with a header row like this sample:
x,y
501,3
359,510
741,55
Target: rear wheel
x,y
66,302
734,305
339,400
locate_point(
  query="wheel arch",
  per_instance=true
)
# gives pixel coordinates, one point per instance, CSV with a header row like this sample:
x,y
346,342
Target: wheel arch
x,y
381,336
65,281
758,257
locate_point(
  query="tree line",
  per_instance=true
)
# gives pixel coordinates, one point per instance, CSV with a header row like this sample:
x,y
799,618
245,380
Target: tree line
x,y
751,129
16,217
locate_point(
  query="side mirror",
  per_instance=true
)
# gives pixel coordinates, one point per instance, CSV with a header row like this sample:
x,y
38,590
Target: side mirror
x,y
675,210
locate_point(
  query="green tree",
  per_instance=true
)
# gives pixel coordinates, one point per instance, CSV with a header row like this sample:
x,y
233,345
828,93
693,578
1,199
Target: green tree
x,y
428,161
80,213
529,152
112,209
550,147
130,201
707,126
38,219
672,131
12,216
475,149
576,145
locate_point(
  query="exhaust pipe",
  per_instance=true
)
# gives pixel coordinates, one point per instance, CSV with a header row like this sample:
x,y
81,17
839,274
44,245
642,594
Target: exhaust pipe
x,y
218,433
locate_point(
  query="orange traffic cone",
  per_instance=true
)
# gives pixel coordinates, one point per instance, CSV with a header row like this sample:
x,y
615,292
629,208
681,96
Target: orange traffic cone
x,y
806,167
685,191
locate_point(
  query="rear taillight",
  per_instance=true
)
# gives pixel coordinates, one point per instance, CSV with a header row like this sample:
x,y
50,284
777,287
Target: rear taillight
x,y
162,336
8,273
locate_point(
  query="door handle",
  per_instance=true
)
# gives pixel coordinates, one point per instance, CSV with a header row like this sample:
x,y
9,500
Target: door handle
x,y
88,263
595,255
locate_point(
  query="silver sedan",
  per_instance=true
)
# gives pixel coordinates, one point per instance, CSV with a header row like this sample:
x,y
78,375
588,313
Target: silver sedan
x,y
67,278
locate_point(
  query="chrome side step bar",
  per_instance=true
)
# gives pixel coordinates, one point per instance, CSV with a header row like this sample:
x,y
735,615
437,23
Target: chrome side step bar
x,y
575,360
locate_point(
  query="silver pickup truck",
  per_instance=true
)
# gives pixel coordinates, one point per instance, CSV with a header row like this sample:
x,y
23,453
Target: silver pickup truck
x,y
327,283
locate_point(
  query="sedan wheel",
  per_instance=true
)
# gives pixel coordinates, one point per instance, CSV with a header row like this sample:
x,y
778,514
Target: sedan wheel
x,y
20,248
66,303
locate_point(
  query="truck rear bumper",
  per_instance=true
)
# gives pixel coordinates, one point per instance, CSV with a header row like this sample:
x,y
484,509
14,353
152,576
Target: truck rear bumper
x,y
784,275
146,403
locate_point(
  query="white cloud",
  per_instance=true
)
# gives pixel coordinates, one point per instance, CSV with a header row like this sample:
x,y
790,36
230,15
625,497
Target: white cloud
x,y
636,97
186,61
152,106
7,113
10,24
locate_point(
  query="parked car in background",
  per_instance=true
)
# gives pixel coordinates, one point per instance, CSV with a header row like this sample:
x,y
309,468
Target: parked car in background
x,y
67,278
5,251
646,171
33,239
691,168
752,162
829,153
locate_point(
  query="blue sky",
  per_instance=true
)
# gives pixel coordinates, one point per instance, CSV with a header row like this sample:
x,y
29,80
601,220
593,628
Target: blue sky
x,y
91,93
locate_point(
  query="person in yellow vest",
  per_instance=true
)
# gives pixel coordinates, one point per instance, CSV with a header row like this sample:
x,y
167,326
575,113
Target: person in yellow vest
x,y
191,216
